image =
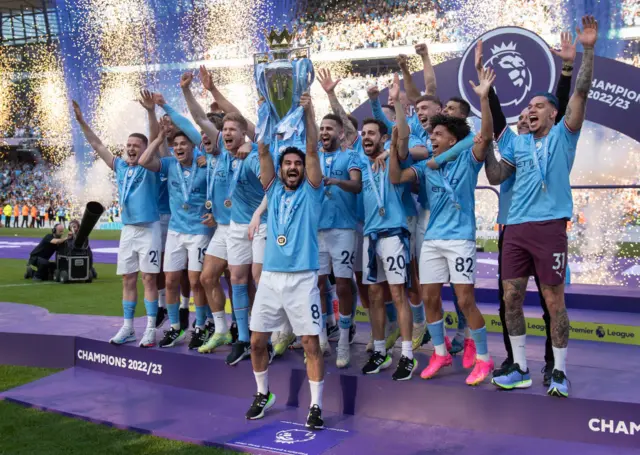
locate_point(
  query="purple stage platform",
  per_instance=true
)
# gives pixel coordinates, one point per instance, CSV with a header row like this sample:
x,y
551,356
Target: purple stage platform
x,y
624,299
153,391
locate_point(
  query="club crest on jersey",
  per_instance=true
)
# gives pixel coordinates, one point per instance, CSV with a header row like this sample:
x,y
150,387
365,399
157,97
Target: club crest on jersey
x,y
523,65
130,172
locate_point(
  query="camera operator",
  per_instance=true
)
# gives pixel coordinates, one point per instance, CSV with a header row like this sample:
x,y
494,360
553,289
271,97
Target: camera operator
x,y
39,259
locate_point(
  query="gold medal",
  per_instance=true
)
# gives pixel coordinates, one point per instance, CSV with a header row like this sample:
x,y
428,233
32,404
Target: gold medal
x,y
282,240
382,211
208,205
185,206
227,203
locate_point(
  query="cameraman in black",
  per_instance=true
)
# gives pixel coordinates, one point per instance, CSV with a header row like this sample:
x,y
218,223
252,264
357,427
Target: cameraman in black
x,y
39,259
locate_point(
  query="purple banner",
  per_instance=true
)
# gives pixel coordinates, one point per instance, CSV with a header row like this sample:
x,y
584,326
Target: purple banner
x,y
292,438
524,65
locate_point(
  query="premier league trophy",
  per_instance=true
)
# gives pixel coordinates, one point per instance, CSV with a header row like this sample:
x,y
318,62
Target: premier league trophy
x,y
282,75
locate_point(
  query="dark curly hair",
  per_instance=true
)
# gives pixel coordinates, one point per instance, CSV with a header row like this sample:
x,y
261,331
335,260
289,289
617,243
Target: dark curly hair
x,y
456,126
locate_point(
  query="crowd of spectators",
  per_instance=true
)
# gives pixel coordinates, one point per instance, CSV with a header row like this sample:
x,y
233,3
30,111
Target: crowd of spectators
x,y
360,24
28,190
630,11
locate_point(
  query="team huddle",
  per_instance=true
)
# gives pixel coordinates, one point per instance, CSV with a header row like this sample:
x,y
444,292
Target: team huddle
x,y
386,215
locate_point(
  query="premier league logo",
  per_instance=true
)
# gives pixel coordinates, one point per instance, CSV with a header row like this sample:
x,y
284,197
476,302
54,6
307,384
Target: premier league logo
x,y
294,436
523,65
600,332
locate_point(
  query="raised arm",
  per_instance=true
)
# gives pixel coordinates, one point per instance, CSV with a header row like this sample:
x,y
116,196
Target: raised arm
x,y
397,175
312,160
430,86
567,53
146,101
409,86
376,107
224,104
150,158
486,129
329,86
180,121
402,127
198,114
93,140
267,169
577,107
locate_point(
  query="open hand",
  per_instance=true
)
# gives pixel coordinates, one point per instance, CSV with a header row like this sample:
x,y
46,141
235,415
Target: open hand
x,y
206,79
567,51
486,79
146,100
394,89
589,35
327,83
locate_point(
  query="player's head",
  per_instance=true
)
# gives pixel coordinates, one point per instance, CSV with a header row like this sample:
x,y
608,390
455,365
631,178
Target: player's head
x,y
171,127
426,107
543,109
291,163
389,111
457,107
234,129
58,230
446,131
206,141
182,148
523,122
374,135
331,130
136,145
216,118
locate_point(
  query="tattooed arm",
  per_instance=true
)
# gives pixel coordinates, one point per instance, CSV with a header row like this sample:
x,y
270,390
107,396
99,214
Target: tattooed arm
x,y
578,103
497,170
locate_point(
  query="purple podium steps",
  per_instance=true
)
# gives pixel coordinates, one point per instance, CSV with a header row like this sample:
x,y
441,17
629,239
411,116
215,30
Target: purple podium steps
x,y
217,419
603,411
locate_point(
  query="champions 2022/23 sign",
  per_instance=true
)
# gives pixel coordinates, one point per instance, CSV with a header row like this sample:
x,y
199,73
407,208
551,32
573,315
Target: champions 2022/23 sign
x,y
524,65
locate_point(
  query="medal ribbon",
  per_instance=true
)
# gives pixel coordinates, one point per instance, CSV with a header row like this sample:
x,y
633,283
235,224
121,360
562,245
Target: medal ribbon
x,y
380,194
327,169
543,156
127,182
285,215
446,183
236,176
212,180
183,186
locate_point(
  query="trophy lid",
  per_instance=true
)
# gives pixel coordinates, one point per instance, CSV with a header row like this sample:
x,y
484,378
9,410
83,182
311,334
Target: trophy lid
x,y
279,39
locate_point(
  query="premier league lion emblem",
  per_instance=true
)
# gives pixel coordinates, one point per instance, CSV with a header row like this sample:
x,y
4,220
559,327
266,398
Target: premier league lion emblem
x,y
506,60
523,64
294,436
